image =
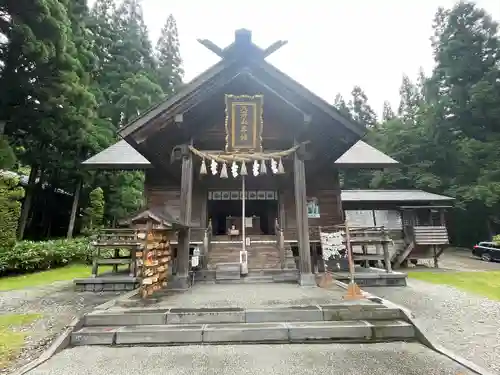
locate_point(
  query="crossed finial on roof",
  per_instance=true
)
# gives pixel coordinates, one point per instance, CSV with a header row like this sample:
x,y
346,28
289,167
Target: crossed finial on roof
x,y
242,38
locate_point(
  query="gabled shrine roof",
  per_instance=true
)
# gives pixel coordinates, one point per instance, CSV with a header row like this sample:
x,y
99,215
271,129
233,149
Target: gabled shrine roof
x,y
246,58
362,155
118,156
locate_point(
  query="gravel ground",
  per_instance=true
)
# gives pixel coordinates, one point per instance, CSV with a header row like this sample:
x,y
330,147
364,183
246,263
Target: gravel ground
x,y
460,260
465,323
58,303
251,295
306,359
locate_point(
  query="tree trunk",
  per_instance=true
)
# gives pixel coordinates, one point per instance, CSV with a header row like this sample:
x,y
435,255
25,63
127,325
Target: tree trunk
x,y
74,208
490,228
30,189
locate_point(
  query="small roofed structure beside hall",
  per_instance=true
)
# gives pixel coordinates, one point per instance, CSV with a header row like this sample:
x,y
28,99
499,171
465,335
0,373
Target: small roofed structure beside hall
x,y
247,158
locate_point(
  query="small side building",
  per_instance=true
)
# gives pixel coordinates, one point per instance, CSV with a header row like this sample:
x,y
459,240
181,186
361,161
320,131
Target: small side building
x,y
415,219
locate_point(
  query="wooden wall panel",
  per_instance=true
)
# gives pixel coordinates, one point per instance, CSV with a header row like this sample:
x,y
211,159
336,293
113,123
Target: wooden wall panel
x,y
160,191
326,189
197,207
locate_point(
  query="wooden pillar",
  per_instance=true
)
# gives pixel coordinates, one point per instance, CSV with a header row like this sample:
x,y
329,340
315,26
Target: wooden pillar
x,y
442,220
306,277
185,217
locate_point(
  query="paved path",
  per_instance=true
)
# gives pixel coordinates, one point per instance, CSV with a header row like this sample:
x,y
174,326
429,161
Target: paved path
x,y
303,359
58,303
465,323
251,295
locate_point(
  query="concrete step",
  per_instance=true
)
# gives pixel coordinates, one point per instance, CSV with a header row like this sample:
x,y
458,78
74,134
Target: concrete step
x,y
347,310
240,333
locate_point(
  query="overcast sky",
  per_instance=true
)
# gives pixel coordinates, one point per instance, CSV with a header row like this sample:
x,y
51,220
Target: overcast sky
x,y
332,44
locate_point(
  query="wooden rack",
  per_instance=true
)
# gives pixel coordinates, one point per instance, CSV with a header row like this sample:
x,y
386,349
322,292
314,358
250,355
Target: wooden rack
x,y
153,260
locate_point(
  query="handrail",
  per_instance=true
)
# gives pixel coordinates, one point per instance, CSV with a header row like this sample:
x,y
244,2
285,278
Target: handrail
x,y
207,243
280,242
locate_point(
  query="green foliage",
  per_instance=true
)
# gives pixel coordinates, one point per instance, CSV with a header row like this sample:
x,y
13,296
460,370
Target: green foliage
x,y
124,195
69,78
169,59
446,133
28,256
95,211
496,239
7,156
360,109
10,210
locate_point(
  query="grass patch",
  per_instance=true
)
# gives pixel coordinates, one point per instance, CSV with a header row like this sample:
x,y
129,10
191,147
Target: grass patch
x,y
485,283
70,272
11,340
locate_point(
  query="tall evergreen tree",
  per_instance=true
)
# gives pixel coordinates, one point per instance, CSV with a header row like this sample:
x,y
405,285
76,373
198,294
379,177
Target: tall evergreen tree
x,y
387,113
50,111
409,99
341,106
170,70
360,109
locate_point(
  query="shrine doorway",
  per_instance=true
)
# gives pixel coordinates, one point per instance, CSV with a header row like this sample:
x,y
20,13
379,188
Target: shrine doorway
x,y
224,209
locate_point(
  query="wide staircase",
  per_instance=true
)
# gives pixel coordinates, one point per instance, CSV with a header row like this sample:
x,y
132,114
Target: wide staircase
x,y
357,321
263,253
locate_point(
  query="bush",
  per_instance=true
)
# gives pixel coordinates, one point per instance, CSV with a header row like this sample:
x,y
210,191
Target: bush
x,y
496,239
10,210
29,256
95,212
7,156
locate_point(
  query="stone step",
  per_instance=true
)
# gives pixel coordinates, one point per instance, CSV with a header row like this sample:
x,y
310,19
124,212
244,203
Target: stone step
x,y
240,333
348,310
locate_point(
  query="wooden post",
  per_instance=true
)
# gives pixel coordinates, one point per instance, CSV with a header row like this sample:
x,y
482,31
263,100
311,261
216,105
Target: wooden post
x,y
74,208
442,220
306,277
385,246
353,290
185,217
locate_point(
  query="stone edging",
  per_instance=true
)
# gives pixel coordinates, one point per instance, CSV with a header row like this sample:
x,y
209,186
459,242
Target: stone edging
x,y
60,343
112,302
64,339
421,337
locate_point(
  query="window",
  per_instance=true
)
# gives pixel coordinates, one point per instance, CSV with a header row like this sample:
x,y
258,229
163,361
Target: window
x,y
359,218
312,208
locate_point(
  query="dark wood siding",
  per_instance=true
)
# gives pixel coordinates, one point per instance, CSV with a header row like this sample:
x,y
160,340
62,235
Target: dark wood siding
x,y
326,189
160,191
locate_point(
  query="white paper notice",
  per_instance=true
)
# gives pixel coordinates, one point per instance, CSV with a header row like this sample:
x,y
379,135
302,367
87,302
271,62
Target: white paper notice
x,y
248,222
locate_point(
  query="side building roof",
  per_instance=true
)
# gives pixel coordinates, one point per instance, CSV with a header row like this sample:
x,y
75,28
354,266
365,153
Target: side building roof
x,y
121,155
118,156
392,196
362,155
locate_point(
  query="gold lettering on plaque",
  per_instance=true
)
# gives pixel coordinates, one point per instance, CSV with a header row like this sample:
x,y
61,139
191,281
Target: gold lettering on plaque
x,y
244,123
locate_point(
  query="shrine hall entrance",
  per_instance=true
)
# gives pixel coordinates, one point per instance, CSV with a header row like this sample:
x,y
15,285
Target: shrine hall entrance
x,y
225,210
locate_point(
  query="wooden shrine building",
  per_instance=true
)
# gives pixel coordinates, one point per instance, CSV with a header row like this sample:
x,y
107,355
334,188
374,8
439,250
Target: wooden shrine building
x,y
244,151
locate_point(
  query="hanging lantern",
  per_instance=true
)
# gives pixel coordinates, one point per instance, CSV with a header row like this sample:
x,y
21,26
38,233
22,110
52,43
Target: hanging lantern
x,y
255,168
223,172
281,169
274,166
263,168
234,169
243,169
213,167
203,168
